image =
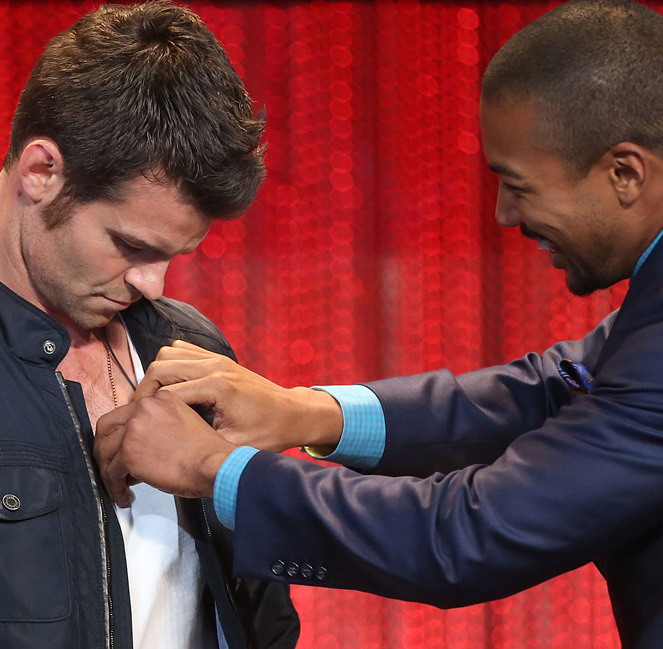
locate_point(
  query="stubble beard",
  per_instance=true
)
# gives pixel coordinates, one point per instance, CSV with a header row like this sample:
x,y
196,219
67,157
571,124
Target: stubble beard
x,y
69,309
596,266
584,278
583,284
58,293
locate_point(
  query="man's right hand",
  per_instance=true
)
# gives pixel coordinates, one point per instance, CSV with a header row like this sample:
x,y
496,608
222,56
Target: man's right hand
x,y
248,409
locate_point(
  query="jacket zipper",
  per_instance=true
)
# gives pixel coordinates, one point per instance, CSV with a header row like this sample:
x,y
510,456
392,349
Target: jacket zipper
x,y
226,586
101,512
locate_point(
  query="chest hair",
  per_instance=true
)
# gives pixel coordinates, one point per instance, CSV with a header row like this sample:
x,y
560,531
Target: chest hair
x,y
88,365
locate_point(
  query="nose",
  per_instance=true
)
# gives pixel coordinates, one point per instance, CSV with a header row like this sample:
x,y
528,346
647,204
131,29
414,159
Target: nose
x,y
506,209
148,279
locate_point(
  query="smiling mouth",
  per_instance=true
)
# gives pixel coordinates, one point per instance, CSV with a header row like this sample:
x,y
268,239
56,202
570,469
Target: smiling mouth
x,y
541,242
556,258
544,244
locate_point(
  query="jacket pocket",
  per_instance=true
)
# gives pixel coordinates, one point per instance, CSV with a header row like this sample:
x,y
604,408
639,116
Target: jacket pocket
x,y
34,584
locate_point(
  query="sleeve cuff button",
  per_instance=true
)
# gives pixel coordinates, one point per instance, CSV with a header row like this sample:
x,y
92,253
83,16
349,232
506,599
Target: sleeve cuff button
x,y
292,570
278,568
306,571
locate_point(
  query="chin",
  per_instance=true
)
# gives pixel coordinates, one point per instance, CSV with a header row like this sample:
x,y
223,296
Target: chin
x,y
92,320
586,284
581,291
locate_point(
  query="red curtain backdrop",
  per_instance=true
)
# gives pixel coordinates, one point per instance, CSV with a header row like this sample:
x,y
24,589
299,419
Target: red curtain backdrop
x,y
372,249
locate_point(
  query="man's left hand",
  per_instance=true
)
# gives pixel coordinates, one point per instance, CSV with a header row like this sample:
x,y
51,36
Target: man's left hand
x,y
161,441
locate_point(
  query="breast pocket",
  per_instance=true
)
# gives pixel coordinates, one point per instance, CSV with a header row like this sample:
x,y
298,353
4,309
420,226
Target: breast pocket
x,y
33,570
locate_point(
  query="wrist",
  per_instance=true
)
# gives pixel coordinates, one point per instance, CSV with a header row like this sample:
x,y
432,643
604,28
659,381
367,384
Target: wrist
x,y
319,418
208,470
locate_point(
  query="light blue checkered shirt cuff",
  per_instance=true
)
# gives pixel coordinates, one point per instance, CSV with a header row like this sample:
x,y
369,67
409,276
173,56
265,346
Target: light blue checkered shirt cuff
x,y
226,484
364,431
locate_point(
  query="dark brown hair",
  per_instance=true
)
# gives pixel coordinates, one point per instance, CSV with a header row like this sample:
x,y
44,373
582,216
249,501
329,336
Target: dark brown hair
x,y
143,90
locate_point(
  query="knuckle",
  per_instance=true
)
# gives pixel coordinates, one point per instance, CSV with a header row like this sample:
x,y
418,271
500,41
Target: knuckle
x,y
162,353
156,365
164,395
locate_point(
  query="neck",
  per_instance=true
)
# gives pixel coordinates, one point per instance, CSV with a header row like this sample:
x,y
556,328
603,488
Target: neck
x,y
16,209
114,332
13,272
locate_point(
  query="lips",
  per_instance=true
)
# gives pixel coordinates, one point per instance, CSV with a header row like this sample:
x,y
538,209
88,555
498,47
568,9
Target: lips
x,y
118,303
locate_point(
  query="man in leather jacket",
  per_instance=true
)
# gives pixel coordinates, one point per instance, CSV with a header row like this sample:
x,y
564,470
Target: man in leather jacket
x,y
132,136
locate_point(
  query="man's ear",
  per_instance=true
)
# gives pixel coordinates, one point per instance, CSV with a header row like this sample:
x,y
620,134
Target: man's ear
x,y
629,167
41,170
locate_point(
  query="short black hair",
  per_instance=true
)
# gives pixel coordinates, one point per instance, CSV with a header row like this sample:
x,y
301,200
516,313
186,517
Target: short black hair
x,y
144,90
594,69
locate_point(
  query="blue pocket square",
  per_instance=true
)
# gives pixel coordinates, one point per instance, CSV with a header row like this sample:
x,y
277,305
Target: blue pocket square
x,y
576,376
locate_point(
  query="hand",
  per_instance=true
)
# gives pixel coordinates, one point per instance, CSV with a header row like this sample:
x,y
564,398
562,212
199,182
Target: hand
x,y
161,441
248,409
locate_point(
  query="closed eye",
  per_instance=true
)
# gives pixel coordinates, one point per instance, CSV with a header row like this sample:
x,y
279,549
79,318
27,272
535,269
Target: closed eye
x,y
516,191
126,248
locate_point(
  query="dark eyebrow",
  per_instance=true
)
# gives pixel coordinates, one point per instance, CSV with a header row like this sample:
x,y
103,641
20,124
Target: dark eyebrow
x,y
502,170
135,242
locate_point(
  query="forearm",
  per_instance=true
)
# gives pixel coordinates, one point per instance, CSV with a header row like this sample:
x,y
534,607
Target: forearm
x,y
437,422
440,422
560,496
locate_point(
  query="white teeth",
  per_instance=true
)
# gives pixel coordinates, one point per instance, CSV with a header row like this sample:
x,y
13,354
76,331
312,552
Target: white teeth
x,y
544,244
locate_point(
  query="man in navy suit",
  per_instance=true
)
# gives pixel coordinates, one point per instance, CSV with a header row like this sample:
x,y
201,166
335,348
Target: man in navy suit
x,y
484,484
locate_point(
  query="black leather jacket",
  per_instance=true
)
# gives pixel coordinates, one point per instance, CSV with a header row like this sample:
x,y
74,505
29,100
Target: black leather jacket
x,y
63,579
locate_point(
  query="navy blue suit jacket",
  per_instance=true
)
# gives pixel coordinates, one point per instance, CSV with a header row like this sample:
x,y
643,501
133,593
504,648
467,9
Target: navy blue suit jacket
x,y
506,480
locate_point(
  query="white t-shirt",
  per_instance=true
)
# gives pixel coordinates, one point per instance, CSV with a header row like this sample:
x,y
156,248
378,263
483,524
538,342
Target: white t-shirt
x,y
165,582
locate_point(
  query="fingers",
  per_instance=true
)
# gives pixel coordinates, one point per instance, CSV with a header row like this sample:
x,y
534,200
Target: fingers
x,y
195,392
179,354
184,345
158,440
108,441
182,350
167,369
117,480
106,438
161,373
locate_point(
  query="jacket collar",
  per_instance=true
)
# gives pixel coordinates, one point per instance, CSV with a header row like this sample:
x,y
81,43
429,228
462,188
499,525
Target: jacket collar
x,y
30,333
148,328
34,336
649,269
642,305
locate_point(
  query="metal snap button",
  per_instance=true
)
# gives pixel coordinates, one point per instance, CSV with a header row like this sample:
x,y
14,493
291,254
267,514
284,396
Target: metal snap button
x,y
49,347
11,502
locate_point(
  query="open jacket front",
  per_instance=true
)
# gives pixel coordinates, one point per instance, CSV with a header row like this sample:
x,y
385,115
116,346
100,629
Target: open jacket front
x,y
62,561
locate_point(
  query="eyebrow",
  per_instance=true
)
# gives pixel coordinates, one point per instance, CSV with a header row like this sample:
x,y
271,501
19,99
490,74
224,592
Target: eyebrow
x,y
503,170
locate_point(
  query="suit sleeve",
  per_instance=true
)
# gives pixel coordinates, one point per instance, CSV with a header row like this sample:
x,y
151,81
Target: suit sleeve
x,y
439,422
577,483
